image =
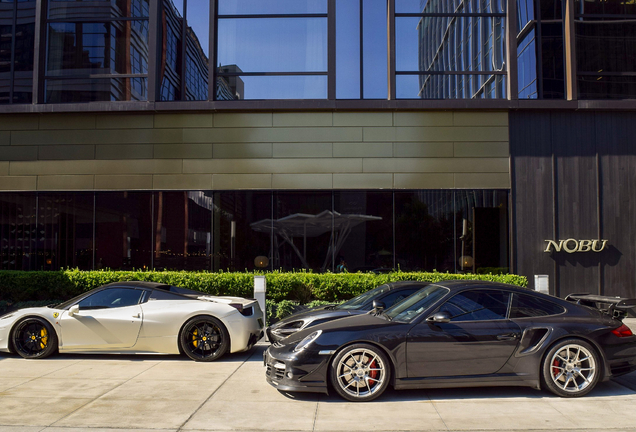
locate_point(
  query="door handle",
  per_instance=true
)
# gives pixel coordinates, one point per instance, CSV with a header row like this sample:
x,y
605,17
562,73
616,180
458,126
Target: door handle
x,y
509,336
137,316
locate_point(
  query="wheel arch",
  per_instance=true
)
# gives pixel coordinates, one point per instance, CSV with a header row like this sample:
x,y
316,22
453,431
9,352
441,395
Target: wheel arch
x,y
590,341
202,315
372,343
58,336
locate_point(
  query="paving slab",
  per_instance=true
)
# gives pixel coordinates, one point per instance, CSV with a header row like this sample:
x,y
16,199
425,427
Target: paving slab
x,y
63,388
36,411
130,413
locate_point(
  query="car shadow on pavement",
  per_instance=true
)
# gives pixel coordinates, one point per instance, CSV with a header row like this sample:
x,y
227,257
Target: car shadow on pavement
x,y
253,354
604,389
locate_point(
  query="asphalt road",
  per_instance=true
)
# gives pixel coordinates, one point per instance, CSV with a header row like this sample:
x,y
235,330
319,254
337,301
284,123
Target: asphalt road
x,y
171,393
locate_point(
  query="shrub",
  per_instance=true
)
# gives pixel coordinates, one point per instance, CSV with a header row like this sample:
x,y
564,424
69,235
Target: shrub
x,y
286,290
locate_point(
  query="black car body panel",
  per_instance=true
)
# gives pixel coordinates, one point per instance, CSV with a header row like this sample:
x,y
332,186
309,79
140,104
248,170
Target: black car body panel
x,y
426,354
394,292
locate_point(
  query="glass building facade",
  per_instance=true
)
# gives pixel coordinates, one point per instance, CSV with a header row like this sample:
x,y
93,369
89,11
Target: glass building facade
x,y
455,231
202,50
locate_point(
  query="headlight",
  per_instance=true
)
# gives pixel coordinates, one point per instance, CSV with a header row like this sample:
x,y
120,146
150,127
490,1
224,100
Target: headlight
x,y
307,341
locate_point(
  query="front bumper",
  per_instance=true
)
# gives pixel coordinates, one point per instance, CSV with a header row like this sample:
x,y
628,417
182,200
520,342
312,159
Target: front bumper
x,y
297,372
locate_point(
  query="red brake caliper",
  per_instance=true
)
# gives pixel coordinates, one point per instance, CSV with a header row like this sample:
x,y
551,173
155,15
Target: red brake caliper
x,y
374,373
555,371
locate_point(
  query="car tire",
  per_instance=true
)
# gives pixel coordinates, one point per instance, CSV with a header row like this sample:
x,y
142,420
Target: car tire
x,y
204,338
34,338
360,372
571,368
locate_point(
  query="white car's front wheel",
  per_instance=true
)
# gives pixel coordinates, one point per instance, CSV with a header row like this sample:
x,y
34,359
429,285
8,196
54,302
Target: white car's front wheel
x,y
34,338
204,338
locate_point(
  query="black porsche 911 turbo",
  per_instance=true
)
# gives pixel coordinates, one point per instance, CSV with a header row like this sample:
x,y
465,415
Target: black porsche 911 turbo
x,y
462,334
389,294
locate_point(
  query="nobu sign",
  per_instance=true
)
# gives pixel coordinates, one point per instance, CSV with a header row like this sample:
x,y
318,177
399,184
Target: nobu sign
x,y
572,245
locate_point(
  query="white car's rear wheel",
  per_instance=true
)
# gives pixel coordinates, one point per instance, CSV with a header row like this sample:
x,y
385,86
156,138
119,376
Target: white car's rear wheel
x,y
204,338
34,338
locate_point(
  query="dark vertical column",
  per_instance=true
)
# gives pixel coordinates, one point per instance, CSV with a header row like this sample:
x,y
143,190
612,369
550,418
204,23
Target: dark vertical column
x,y
511,49
154,44
184,49
538,43
331,50
214,7
569,51
391,48
39,58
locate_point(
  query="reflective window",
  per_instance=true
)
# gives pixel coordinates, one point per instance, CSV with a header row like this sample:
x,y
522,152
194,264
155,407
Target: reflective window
x,y
363,231
397,296
302,228
526,306
481,226
477,305
264,53
443,55
243,231
123,230
17,50
111,298
85,58
18,231
424,224
183,230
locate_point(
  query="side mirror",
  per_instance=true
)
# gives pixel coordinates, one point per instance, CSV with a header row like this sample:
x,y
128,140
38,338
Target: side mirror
x,y
440,318
378,305
73,310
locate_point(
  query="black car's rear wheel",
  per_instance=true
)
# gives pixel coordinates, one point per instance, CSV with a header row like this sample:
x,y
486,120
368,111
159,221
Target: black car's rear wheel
x,y
360,373
34,338
571,368
204,338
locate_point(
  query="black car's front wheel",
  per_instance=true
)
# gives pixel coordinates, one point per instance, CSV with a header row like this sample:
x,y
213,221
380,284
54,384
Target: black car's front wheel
x,y
571,368
204,338
34,338
360,372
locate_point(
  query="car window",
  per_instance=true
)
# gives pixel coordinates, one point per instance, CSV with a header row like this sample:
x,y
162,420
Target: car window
x,y
165,295
416,304
397,296
357,302
525,306
111,298
477,305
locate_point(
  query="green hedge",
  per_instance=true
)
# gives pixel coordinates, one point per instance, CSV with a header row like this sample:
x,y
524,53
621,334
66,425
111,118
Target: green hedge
x,y
302,287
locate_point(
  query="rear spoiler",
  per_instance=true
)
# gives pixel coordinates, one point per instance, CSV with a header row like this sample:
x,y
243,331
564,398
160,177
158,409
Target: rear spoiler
x,y
616,307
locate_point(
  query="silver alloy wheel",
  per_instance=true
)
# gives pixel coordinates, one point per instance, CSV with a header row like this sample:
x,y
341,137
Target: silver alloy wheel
x,y
360,373
573,368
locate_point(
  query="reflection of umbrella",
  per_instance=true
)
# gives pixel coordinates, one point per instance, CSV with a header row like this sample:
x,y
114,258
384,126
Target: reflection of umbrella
x,y
306,225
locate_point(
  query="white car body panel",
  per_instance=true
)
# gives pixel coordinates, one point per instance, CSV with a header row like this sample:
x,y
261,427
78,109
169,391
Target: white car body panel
x,y
152,327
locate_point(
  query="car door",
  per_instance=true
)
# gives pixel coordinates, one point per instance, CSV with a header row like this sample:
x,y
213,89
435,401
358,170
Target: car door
x,y
478,340
108,319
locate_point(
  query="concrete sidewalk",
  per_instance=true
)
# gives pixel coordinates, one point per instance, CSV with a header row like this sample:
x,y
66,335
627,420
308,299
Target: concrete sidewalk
x,y
169,393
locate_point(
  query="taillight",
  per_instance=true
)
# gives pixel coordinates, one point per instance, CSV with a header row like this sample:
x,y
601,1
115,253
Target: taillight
x,y
623,331
244,311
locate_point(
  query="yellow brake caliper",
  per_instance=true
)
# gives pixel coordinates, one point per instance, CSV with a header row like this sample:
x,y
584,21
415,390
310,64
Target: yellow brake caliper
x,y
194,338
45,337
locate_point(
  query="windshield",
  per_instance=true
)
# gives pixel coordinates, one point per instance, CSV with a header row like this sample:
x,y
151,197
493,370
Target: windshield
x,y
411,307
357,302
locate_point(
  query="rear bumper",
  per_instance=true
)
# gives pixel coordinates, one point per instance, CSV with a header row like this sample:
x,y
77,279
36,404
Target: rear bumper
x,y
621,358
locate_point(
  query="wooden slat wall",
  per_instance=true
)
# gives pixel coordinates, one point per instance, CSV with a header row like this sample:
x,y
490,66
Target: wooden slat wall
x,y
574,176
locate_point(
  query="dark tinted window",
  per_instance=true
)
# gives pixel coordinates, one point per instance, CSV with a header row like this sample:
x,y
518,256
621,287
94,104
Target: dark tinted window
x,y
525,306
397,296
111,298
477,305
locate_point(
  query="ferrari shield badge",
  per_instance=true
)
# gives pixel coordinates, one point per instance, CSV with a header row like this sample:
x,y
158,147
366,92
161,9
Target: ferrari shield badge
x,y
56,314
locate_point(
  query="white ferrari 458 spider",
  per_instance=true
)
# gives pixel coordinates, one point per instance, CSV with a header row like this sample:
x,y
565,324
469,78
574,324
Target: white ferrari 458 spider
x,y
135,318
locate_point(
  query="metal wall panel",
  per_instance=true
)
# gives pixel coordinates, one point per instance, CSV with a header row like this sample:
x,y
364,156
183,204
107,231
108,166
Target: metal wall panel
x,y
574,176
